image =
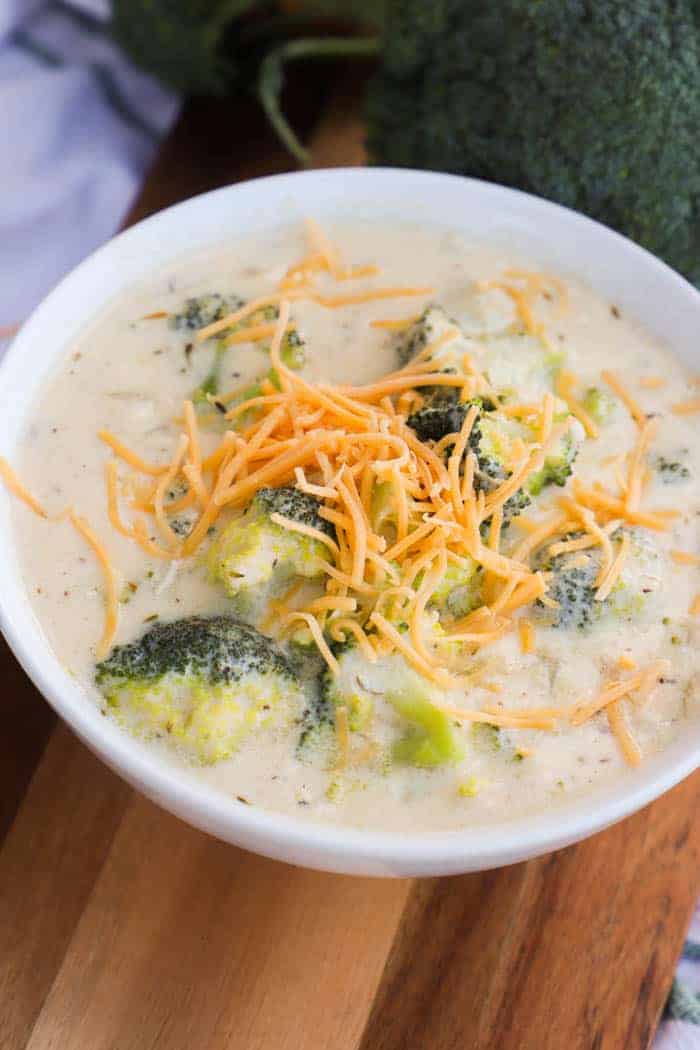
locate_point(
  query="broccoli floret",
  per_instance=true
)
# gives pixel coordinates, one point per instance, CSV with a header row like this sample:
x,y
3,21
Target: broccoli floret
x,y
204,683
437,418
318,719
671,471
317,724
557,467
574,580
490,439
459,591
254,557
599,404
433,323
388,687
595,106
205,309
572,586
202,310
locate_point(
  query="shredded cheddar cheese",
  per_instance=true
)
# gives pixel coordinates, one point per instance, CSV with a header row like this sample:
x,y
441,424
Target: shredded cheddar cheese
x,y
686,408
113,500
399,324
615,383
616,691
110,579
685,558
345,445
16,487
527,635
628,745
565,382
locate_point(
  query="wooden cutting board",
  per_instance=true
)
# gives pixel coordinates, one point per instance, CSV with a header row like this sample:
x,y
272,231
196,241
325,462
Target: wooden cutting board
x,y
123,929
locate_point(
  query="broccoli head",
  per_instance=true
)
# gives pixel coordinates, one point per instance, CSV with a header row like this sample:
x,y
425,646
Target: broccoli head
x,y
490,439
557,468
422,736
437,418
599,404
433,323
202,310
573,583
318,719
459,590
203,682
253,557
595,106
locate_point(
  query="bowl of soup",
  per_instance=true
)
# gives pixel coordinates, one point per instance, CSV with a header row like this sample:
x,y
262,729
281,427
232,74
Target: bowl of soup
x,y
352,517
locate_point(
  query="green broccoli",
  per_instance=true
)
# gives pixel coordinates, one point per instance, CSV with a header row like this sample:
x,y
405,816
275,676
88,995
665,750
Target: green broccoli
x,y
433,323
490,439
459,591
318,719
439,417
557,468
204,683
599,404
203,310
596,106
671,471
317,723
388,688
573,584
253,557
430,740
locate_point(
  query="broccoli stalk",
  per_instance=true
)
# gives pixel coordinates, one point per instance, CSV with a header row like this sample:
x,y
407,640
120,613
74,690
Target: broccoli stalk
x,y
391,685
430,740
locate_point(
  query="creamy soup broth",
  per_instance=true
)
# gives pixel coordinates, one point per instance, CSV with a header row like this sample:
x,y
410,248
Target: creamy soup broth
x,y
129,374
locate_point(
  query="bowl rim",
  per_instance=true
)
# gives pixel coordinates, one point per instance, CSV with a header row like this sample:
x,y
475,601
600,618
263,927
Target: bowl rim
x,y
328,846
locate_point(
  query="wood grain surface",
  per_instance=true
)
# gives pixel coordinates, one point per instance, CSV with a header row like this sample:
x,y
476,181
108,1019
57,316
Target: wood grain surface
x,y
123,929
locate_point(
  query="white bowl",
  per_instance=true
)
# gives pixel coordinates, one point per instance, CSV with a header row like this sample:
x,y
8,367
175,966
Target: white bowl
x,y
559,240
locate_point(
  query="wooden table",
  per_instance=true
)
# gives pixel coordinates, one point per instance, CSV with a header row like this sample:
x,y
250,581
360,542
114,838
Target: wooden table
x,y
123,929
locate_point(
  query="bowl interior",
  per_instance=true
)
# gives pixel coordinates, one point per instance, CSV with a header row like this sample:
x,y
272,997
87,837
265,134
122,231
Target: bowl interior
x,y
556,239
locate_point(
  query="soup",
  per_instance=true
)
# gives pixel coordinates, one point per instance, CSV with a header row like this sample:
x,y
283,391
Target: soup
x,y
374,526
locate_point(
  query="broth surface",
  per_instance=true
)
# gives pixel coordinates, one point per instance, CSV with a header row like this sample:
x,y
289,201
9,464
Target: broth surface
x,y
130,374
